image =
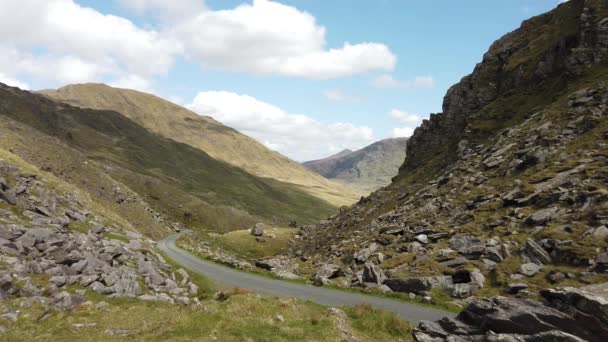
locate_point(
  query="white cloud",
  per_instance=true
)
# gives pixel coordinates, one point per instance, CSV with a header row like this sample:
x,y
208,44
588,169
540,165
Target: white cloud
x,y
61,41
267,37
133,82
297,136
78,44
13,82
405,117
409,119
387,81
173,9
402,132
339,95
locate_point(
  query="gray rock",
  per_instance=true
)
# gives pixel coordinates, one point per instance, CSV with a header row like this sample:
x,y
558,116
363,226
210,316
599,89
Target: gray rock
x,y
422,238
364,254
600,233
58,281
462,290
418,285
258,229
536,253
477,279
541,217
66,301
455,263
8,196
374,274
529,269
516,287
117,332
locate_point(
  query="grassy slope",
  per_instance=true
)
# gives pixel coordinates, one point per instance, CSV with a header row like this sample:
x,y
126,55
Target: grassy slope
x,y
177,179
204,133
368,169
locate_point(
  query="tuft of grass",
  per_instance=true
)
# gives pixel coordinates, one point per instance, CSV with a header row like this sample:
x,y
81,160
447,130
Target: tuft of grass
x,y
373,323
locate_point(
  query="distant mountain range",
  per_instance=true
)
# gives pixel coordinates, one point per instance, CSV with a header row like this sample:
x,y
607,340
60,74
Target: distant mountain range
x,y
367,169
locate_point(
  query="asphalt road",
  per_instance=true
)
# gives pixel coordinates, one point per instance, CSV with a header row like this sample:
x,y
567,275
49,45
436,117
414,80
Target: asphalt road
x,y
323,296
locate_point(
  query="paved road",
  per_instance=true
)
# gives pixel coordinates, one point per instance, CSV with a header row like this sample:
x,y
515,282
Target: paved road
x,y
323,296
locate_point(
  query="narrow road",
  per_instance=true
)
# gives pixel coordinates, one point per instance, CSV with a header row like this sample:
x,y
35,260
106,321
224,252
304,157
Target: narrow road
x,y
324,296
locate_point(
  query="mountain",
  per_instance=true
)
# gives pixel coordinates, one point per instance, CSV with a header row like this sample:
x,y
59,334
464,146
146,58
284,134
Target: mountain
x,y
369,168
145,177
220,142
505,192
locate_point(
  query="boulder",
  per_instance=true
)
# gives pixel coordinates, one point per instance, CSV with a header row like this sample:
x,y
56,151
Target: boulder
x,y
325,272
568,315
258,229
600,233
468,246
373,274
462,290
8,197
516,287
418,285
364,254
66,301
529,269
541,217
535,253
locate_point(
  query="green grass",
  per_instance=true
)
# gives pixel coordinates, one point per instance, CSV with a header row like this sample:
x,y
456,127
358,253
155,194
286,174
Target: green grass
x,y
243,244
378,324
240,316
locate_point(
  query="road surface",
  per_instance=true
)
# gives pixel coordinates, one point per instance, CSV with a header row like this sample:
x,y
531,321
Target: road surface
x,y
324,296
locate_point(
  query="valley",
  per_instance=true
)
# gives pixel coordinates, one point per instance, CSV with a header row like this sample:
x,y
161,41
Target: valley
x,y
125,216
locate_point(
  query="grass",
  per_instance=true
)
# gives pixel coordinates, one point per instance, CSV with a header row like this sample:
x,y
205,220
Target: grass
x,y
243,244
377,324
240,315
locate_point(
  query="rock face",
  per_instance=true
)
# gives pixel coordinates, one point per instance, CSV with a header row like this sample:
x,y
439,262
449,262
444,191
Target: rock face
x,y
511,179
569,315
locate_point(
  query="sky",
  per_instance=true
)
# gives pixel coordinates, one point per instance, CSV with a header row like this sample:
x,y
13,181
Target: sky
x,y
307,78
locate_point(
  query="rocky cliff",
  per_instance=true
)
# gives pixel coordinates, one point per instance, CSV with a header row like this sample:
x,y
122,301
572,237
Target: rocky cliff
x,y
505,192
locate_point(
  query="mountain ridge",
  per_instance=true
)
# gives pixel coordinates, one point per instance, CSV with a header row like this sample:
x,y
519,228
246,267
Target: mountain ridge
x,y
143,175
202,132
368,168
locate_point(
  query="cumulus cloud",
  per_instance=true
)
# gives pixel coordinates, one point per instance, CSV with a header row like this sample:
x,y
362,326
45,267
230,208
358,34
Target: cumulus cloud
x,y
388,81
63,42
402,132
172,9
13,82
405,117
133,82
267,37
409,119
297,136
339,95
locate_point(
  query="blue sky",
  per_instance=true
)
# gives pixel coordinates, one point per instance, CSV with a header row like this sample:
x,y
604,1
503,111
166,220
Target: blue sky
x,y
266,67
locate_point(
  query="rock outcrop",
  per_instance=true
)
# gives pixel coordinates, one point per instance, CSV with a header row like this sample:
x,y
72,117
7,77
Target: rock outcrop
x,y
55,236
568,315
